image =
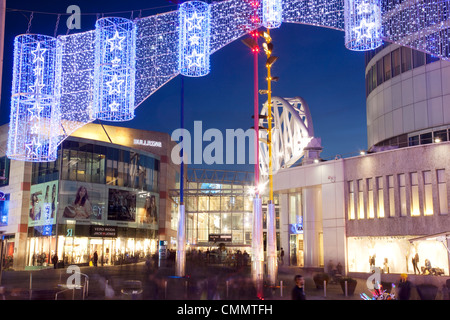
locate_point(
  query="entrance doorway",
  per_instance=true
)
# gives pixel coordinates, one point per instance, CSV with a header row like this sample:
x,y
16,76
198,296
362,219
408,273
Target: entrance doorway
x,y
296,252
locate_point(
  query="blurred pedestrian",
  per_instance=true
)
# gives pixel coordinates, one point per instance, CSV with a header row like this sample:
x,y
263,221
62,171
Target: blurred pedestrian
x,y
415,262
55,261
95,258
298,292
404,288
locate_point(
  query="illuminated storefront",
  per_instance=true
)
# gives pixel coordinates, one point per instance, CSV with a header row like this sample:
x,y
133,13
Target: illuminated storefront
x,y
219,209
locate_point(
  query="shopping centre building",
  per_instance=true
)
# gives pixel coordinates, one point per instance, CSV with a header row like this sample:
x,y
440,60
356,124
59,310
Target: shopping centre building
x,y
391,201
107,193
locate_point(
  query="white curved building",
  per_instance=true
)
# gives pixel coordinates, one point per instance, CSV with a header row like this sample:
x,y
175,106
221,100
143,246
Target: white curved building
x,y
392,201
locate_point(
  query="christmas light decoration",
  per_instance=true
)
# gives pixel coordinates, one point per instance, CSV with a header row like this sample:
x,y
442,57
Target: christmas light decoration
x,y
65,83
34,102
114,69
272,13
194,39
362,24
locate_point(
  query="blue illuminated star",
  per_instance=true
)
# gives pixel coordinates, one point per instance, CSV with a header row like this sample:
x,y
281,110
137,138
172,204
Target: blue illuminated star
x,y
114,107
35,111
194,40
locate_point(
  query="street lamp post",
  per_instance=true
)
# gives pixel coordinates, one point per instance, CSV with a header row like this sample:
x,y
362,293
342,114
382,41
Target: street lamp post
x,y
272,263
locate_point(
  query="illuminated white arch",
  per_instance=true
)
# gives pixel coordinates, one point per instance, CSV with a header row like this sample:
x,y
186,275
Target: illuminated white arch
x,y
292,131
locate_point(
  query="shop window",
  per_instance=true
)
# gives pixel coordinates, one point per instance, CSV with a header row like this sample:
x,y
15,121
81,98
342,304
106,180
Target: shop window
x,y
351,201
370,202
415,209
442,190
360,200
391,196
395,62
428,193
402,194
406,59
380,199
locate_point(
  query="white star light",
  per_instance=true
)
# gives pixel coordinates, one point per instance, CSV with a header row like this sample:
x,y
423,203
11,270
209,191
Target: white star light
x,y
33,148
38,53
114,106
114,84
115,62
194,59
115,42
35,111
364,30
194,25
194,40
35,129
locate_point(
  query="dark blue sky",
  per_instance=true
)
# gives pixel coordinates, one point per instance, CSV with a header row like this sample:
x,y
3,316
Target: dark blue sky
x,y
313,63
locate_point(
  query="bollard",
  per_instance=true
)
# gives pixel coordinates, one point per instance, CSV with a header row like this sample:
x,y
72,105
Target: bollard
x,y
346,292
165,289
227,288
324,288
281,288
31,284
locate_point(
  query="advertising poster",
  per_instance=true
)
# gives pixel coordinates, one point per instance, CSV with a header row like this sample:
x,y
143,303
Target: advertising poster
x,y
43,204
82,201
147,212
121,205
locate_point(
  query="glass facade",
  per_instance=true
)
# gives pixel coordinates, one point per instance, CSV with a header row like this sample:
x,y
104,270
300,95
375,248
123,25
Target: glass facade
x,y
94,198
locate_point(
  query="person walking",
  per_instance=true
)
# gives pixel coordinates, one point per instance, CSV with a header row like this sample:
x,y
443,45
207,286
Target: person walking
x,y
404,288
55,261
415,262
298,292
95,258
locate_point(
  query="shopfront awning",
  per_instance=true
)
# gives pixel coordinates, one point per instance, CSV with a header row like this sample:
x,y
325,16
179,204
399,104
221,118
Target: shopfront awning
x,y
441,237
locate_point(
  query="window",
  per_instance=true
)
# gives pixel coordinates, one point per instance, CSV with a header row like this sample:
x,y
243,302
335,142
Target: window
x,y
351,201
418,58
360,200
440,136
430,58
387,66
379,72
380,200
4,170
442,190
415,209
395,56
426,138
406,59
402,189
413,141
391,196
428,194
371,210
374,76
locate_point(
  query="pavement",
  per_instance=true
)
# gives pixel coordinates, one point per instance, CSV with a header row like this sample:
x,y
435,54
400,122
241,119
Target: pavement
x,y
203,282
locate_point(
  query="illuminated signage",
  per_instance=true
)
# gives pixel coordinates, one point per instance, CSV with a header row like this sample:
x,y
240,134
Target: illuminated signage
x,y
103,231
147,143
220,238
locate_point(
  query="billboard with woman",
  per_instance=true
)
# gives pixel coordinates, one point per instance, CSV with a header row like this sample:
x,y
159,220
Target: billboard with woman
x,y
43,204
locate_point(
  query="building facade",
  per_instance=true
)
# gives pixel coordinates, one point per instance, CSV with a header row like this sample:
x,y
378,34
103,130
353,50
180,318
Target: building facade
x,y
381,208
107,192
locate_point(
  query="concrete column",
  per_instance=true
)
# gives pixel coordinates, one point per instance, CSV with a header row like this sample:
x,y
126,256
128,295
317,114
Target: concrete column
x,y
312,225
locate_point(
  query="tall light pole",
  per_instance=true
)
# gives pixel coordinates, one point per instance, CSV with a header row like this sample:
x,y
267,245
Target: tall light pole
x,y
272,263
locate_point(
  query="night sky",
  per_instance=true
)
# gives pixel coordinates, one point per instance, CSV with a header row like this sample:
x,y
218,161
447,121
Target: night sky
x,y
313,63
